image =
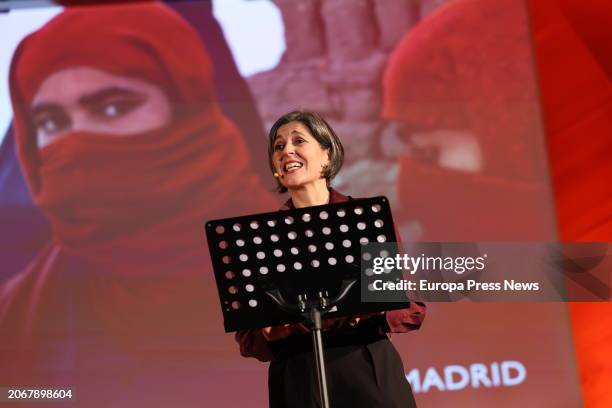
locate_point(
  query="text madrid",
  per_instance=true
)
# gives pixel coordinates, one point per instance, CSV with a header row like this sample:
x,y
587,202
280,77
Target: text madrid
x,y
470,284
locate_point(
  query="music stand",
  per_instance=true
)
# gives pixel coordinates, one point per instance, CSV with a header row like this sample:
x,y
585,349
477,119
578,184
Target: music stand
x,y
281,267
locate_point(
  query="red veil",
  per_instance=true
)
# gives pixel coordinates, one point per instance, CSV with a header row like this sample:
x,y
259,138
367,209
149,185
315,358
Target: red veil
x,y
127,271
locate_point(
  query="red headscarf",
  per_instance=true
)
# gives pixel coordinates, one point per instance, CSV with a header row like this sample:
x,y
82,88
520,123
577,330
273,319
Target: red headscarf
x,y
468,67
132,208
143,193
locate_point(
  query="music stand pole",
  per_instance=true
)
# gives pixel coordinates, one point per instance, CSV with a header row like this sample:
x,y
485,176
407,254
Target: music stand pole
x,y
317,343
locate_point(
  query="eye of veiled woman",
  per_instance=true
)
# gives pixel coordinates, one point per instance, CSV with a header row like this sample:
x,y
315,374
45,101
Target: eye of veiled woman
x,y
116,107
51,121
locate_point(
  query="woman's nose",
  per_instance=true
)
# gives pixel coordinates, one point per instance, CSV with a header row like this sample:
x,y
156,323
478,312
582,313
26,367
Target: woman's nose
x,y
288,149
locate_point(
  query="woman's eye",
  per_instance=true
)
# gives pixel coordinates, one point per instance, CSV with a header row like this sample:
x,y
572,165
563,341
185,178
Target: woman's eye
x,y
299,141
50,123
116,108
278,147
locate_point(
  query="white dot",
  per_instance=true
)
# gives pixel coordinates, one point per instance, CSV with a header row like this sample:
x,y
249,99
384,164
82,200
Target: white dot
x,y
280,268
332,261
261,255
306,217
312,248
263,270
271,223
358,210
329,246
366,256
297,266
346,243
240,242
381,238
237,227
278,253
326,230
249,288
309,233
384,253
294,251
378,223
252,302
323,215
243,257
292,235
274,238
349,258
246,272
254,224
376,208
111,110
341,213
257,240
288,220
363,240
369,271
361,225
314,263
344,228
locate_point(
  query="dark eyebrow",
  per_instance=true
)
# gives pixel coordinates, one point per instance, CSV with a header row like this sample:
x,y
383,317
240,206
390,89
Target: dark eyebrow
x,y
293,131
101,94
44,107
88,99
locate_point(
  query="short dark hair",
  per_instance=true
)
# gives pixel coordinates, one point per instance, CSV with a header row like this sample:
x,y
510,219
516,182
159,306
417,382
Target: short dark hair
x,y
321,131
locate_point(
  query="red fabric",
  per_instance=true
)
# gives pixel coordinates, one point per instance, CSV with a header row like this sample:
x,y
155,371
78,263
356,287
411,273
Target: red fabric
x,y
574,55
127,213
253,343
446,74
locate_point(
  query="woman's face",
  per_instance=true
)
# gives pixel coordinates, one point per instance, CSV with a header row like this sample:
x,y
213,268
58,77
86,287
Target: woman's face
x,y
90,100
298,157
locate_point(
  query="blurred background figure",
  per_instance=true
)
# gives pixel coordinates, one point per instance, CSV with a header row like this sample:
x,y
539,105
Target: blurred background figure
x,y
126,150
460,90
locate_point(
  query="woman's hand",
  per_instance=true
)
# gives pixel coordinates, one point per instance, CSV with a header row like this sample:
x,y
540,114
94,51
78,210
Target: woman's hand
x,y
354,321
273,333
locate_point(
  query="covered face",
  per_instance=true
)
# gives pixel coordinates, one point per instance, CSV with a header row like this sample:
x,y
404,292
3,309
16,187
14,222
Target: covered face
x,y
459,73
465,83
118,127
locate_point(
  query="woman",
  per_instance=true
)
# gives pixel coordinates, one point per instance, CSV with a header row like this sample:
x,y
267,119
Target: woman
x,y
364,369
123,146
